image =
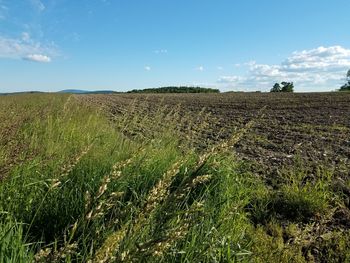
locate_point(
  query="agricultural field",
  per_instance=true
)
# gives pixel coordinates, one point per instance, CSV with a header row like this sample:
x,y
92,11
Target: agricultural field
x,y
232,177
288,128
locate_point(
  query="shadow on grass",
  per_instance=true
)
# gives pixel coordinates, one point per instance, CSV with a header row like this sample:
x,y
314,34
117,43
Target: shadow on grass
x,y
294,206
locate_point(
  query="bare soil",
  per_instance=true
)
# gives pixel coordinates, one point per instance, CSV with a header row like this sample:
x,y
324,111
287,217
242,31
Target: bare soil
x,y
311,129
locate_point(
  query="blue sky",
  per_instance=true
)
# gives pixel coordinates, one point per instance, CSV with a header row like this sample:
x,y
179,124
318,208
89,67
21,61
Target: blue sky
x,y
50,45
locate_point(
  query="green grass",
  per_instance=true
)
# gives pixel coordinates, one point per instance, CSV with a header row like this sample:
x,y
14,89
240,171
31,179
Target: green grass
x,y
78,186
12,245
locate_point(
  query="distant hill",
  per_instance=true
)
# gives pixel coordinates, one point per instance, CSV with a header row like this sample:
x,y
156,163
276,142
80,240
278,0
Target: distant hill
x,y
182,89
73,91
19,92
78,91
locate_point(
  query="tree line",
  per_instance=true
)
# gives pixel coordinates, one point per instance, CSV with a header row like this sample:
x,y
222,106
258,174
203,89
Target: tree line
x,y
175,89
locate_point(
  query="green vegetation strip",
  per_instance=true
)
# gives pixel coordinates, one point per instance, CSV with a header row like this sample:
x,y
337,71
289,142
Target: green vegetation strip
x,y
182,89
76,187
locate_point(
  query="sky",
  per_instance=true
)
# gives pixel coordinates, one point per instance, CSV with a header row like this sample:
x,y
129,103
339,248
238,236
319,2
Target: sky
x,y
232,45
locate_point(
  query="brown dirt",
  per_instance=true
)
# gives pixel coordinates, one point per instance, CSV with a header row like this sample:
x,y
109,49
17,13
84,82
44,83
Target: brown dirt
x,y
313,128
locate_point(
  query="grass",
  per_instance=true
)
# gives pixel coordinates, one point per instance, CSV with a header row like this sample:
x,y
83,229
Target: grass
x,y
297,199
80,186
12,245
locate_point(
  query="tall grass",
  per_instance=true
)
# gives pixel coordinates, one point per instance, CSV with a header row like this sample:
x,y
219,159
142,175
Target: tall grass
x,y
79,179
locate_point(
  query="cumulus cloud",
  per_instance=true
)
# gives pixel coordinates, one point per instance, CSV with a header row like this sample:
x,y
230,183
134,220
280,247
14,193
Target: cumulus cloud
x,y
147,68
331,58
320,68
37,58
26,48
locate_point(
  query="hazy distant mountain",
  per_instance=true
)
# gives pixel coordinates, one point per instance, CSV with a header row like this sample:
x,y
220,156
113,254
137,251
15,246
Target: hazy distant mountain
x,y
73,91
19,92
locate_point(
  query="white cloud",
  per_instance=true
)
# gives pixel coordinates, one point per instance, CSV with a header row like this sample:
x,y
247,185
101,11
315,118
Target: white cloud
x,y
199,68
3,11
322,68
26,48
38,5
318,59
147,68
37,58
25,36
161,51
229,79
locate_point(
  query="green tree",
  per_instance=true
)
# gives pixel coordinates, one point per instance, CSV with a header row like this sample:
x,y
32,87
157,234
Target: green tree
x,y
346,86
287,87
276,88
283,87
